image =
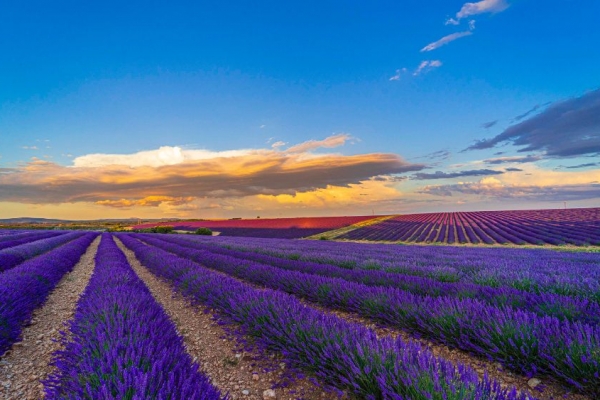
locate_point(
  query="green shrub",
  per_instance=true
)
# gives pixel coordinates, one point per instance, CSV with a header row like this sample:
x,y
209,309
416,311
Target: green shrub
x,y
163,229
203,231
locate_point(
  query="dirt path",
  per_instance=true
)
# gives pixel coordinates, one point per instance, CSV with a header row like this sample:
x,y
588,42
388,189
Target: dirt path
x,y
27,363
245,374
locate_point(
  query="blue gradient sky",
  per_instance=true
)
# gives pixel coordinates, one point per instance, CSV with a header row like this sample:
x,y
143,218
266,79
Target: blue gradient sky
x,y
114,78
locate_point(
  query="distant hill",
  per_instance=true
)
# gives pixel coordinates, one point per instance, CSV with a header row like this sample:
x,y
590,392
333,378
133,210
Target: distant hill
x,y
30,220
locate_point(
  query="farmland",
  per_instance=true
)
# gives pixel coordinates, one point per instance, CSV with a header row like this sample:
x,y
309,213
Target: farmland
x,y
537,227
132,315
284,228
573,227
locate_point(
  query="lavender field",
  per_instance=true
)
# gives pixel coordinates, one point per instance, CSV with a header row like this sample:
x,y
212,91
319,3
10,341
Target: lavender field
x,y
577,227
300,319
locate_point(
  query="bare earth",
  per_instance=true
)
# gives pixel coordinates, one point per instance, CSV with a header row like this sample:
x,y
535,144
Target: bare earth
x,y
27,363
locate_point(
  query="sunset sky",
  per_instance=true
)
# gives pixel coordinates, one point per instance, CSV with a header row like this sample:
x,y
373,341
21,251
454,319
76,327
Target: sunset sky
x,y
278,109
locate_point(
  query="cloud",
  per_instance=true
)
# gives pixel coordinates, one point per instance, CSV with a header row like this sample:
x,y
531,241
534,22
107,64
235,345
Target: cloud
x,y
389,178
494,189
530,111
149,201
437,155
448,175
512,159
481,7
355,195
565,129
7,170
398,75
172,176
29,147
445,40
330,142
586,165
488,125
513,169
163,156
427,66
424,66
278,144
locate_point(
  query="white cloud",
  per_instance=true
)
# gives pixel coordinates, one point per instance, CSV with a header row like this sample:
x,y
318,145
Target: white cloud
x,y
398,75
165,155
426,66
482,7
174,155
29,147
445,40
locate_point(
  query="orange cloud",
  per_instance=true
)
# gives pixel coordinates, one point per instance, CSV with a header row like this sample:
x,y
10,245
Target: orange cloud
x,y
172,177
150,201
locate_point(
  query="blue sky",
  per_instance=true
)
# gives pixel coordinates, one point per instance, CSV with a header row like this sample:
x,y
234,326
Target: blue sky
x,y
112,78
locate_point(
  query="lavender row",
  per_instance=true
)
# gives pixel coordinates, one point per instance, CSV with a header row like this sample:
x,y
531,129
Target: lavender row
x,y
520,340
24,288
532,270
9,258
20,240
6,236
544,304
342,354
121,344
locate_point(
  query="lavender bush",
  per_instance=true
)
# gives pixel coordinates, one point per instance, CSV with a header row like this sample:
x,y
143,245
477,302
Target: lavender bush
x,y
15,255
26,287
531,270
543,304
343,354
521,340
18,240
122,345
